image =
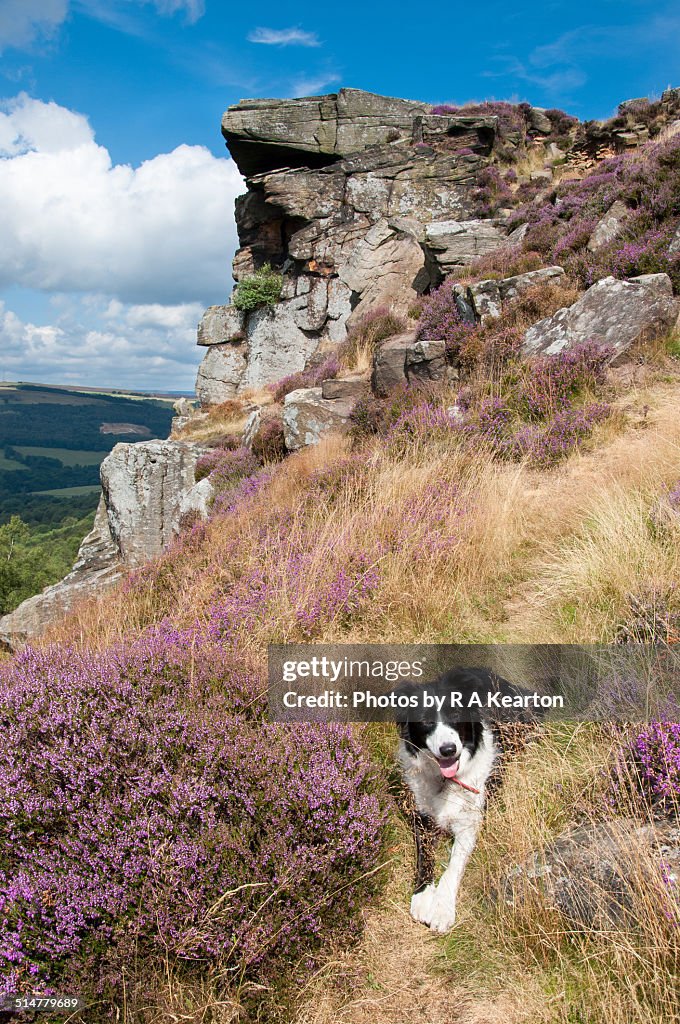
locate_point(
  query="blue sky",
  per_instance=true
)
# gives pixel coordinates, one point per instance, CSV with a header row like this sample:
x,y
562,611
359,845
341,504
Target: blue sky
x,y
116,192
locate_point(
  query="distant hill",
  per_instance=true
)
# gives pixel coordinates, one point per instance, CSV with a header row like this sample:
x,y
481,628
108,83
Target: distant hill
x,y
53,438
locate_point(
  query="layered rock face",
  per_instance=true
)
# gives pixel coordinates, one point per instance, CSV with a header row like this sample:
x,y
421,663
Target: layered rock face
x,y
361,201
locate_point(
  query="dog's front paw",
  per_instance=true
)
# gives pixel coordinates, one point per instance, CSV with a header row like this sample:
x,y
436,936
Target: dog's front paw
x,y
442,916
421,904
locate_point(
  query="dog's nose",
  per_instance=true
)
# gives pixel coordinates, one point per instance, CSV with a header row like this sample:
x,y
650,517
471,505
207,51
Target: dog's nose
x,y
448,750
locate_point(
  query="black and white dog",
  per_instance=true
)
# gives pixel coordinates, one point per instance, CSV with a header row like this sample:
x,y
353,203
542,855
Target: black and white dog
x,y
446,761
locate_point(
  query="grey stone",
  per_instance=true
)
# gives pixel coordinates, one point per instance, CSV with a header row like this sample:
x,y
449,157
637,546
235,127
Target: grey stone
x,y
195,503
511,287
485,298
609,227
518,235
383,270
220,324
221,373
674,247
659,284
458,243
590,875
143,486
307,416
352,386
614,314
277,346
539,122
426,360
251,428
389,362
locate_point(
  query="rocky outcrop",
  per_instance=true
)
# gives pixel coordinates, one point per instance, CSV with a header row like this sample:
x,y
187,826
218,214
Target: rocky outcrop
x,y
614,314
148,489
143,486
609,227
360,201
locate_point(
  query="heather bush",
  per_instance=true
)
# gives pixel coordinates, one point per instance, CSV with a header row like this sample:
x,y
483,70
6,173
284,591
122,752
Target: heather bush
x,y
144,821
442,320
226,467
269,444
652,760
647,181
491,192
510,115
263,288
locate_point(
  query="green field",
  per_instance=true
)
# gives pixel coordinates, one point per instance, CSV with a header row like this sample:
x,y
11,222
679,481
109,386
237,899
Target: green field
x,y
10,464
65,455
70,492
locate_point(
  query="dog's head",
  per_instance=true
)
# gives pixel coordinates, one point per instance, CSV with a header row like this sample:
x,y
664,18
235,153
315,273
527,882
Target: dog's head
x,y
450,735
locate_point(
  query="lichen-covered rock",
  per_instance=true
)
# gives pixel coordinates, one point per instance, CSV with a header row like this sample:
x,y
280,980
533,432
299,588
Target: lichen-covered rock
x,y
615,314
609,227
220,324
221,373
143,486
195,503
307,416
386,268
457,243
486,297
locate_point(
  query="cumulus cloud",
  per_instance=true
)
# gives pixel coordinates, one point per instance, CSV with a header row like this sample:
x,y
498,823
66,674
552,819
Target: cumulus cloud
x,y
73,221
97,341
283,37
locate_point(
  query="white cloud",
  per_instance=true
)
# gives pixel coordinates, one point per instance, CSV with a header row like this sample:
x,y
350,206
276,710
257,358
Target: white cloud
x,y
72,221
311,85
22,21
95,341
284,37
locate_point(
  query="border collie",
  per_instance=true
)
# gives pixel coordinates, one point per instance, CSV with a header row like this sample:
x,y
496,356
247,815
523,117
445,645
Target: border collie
x,y
446,762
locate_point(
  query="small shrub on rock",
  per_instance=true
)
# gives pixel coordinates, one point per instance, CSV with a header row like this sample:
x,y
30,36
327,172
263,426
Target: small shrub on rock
x,y
269,443
226,468
441,320
263,288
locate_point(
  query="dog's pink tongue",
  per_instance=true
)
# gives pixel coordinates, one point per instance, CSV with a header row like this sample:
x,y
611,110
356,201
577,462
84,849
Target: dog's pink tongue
x,y
448,766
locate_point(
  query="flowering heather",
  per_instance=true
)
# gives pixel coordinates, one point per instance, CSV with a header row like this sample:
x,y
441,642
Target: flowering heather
x,y
311,377
510,116
654,754
552,382
647,182
545,445
441,320
226,468
143,817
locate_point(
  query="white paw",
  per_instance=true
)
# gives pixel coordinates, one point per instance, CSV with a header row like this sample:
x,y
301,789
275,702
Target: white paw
x,y
421,904
442,916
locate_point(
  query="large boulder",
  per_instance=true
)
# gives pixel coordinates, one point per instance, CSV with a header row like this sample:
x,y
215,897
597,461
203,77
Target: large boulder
x,y
143,486
386,268
307,416
220,324
614,314
389,362
221,373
